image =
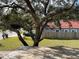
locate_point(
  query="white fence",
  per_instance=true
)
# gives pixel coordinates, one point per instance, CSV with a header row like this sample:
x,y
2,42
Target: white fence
x,y
51,34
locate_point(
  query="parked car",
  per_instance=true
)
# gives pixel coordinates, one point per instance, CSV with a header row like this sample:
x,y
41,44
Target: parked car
x,y
26,34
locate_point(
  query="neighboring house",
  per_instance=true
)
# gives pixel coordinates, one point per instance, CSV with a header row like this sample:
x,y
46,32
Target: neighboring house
x,y
68,30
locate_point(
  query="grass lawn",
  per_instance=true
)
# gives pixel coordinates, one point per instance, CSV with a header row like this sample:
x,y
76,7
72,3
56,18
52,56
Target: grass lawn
x,y
13,43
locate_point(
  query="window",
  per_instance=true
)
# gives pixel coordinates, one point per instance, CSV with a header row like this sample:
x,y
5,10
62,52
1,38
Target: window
x,y
73,30
66,30
57,30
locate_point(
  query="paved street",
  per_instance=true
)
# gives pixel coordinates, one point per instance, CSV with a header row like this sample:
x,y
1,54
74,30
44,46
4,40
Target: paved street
x,y
10,34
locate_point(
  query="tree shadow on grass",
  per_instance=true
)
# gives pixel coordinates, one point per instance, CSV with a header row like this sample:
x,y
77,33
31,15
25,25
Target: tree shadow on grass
x,y
1,45
58,52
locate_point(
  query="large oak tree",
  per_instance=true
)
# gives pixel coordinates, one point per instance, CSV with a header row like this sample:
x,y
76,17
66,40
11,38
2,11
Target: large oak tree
x,y
34,15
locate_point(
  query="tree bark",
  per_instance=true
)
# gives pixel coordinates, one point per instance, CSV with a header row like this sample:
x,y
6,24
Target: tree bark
x,y
21,39
37,37
36,43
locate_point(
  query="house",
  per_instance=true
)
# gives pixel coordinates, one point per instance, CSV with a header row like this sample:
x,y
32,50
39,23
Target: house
x,y
68,29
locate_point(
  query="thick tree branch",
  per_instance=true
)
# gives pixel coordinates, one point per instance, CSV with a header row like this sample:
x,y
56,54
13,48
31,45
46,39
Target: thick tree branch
x,y
36,18
46,4
30,6
58,12
13,5
20,38
42,28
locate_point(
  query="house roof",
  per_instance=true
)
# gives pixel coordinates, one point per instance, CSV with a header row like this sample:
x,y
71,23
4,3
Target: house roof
x,y
65,24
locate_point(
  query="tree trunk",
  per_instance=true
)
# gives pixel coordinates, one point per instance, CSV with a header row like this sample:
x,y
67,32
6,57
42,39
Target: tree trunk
x,y
36,43
21,39
37,36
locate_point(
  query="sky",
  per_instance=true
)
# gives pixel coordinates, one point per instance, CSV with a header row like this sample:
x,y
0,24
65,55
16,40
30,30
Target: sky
x,y
78,2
